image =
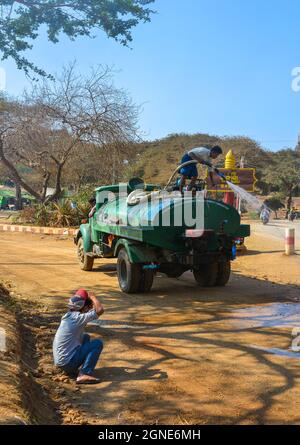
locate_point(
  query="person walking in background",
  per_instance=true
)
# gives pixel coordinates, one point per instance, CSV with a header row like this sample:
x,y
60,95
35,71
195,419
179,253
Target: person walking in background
x,y
265,215
73,350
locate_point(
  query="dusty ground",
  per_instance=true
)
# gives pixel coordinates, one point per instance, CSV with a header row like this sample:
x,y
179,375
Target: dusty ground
x,y
266,246
11,407
180,354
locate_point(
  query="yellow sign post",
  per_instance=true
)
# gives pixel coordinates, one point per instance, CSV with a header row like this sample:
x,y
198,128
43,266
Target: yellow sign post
x,y
243,177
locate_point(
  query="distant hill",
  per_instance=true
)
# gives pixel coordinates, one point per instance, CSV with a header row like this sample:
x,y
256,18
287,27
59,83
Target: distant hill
x,y
156,160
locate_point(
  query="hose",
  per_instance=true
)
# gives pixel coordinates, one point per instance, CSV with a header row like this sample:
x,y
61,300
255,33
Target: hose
x,y
133,200
177,169
189,163
140,196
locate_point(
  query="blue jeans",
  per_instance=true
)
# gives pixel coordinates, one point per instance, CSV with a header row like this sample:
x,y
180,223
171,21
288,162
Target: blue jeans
x,y
86,355
190,171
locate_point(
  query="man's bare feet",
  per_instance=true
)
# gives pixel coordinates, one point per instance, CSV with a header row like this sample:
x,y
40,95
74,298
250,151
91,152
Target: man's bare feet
x,y
85,379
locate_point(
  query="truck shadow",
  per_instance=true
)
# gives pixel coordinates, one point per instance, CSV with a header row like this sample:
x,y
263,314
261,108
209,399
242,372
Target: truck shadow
x,y
260,252
108,268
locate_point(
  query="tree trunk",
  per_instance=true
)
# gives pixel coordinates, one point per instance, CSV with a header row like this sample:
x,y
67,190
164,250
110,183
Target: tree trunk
x,y
18,196
58,191
15,174
289,202
47,176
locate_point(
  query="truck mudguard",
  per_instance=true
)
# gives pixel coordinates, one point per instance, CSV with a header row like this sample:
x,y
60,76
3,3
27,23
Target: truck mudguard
x,y
137,252
85,233
243,231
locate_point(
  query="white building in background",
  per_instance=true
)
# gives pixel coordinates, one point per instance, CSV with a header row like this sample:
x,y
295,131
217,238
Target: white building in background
x,y
50,191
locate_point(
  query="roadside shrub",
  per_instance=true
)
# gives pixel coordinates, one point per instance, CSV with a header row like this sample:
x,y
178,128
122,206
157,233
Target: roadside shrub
x,y
42,215
54,214
28,214
252,215
84,194
275,203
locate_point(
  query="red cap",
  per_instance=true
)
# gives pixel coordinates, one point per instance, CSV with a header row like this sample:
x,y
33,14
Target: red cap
x,y
82,293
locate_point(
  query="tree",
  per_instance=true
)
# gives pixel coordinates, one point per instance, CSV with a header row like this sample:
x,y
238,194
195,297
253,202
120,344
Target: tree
x,y
274,203
91,165
20,21
284,173
4,175
43,131
9,113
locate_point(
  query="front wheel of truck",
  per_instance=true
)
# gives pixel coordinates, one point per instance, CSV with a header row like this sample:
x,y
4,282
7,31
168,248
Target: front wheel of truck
x,y
207,275
86,262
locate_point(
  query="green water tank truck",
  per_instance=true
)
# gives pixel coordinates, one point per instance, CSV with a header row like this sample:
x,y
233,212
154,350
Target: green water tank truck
x,y
147,245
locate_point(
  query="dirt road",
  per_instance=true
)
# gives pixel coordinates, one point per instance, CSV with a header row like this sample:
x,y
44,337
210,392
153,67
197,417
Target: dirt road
x,y
180,354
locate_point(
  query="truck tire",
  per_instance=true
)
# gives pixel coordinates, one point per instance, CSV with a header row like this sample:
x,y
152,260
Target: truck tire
x,y
207,275
86,262
146,281
129,274
224,270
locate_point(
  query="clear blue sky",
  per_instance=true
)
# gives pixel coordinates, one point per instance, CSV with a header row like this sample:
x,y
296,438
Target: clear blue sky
x,y
216,66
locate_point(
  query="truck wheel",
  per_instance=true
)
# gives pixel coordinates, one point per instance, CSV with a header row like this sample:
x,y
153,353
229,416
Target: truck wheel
x,y
146,280
129,274
86,262
224,270
207,275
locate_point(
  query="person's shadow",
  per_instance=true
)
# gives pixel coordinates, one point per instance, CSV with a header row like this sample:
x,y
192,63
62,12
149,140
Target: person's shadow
x,y
121,374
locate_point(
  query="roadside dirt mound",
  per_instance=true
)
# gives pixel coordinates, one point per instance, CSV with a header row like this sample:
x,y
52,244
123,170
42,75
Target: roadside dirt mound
x,y
34,391
23,399
12,410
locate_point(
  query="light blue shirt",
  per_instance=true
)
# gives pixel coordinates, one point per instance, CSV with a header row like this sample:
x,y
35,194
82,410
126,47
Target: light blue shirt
x,y
69,335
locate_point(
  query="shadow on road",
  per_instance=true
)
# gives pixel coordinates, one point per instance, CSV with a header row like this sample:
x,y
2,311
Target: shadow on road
x,y
259,252
193,327
121,374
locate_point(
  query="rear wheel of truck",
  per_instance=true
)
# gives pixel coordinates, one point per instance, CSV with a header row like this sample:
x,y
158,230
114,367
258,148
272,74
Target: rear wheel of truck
x,y
224,270
129,274
86,262
207,275
146,281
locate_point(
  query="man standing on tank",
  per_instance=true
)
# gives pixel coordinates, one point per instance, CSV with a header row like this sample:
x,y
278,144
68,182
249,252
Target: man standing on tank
x,y
203,156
